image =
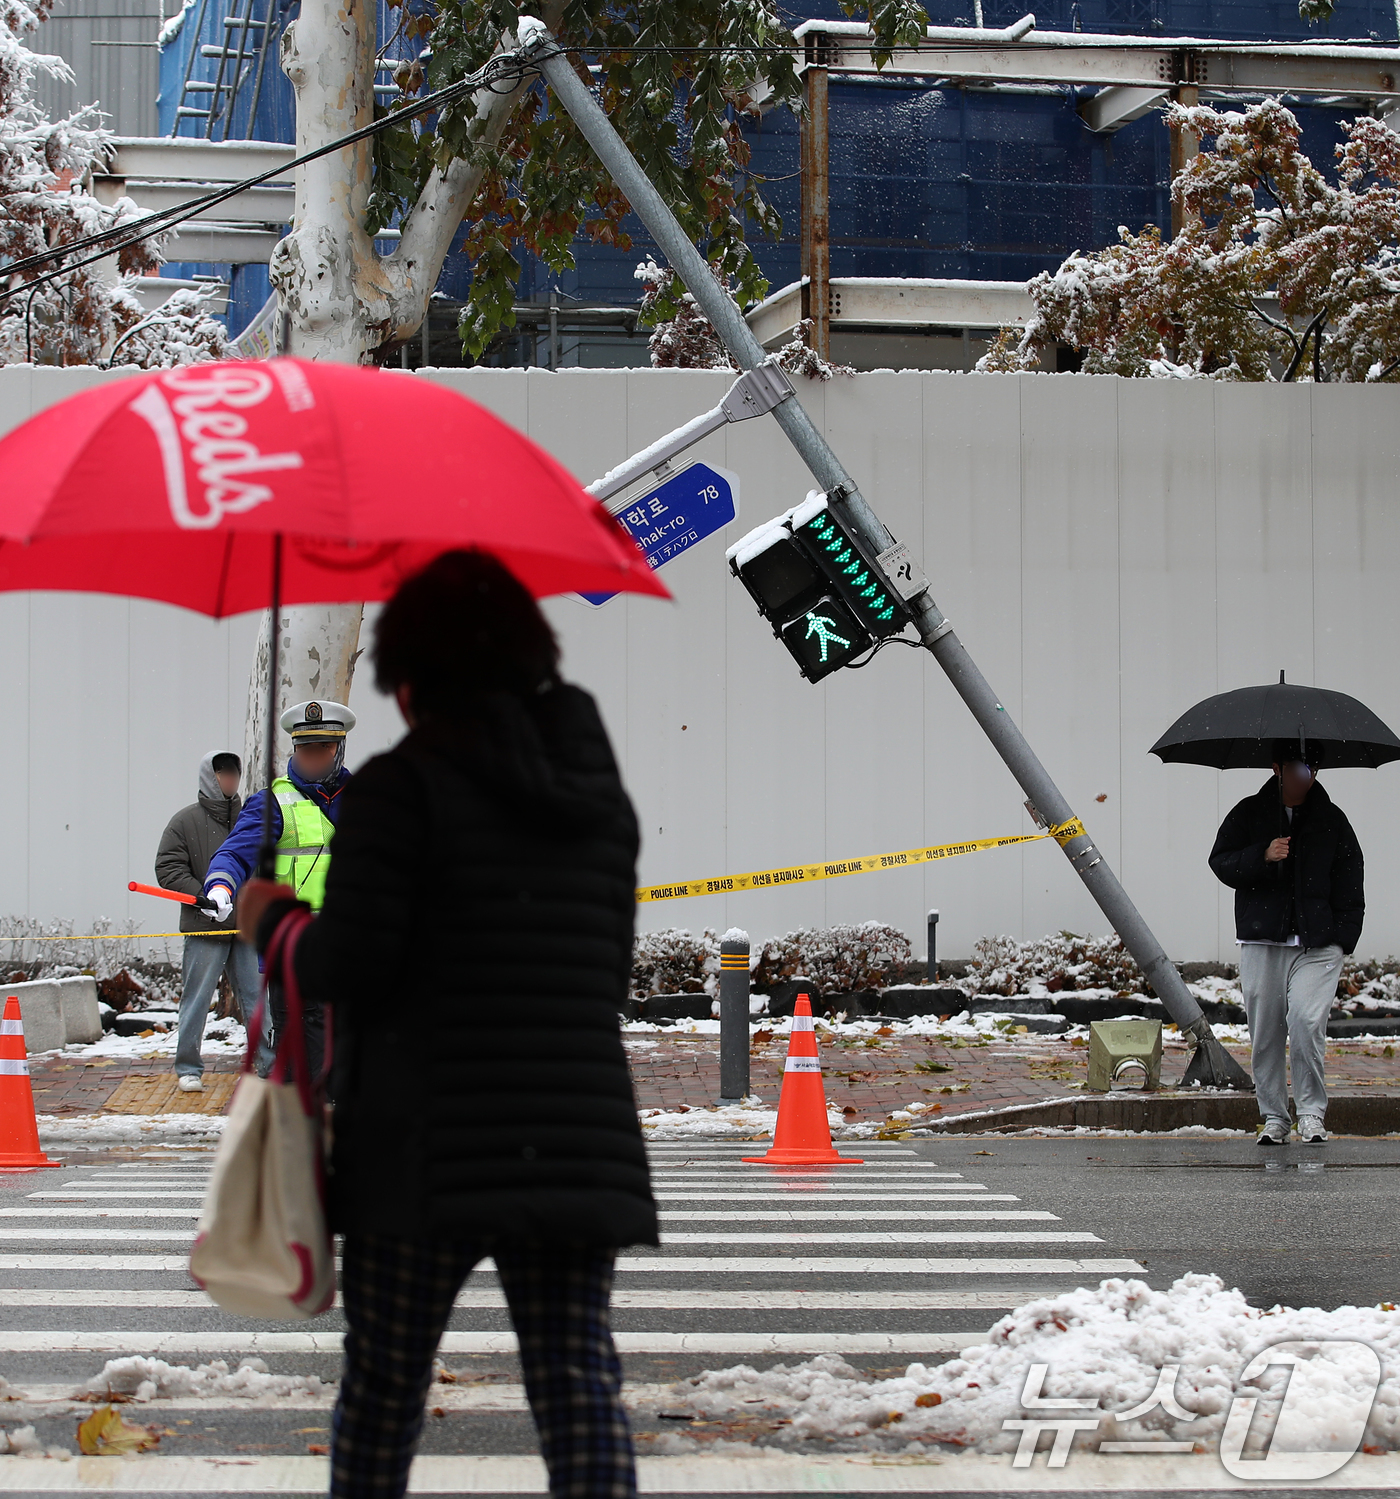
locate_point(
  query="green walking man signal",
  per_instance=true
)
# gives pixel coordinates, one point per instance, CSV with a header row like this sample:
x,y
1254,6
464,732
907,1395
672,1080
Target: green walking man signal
x,y
823,628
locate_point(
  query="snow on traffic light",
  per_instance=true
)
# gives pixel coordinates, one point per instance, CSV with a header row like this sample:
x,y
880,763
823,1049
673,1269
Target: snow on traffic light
x,y
826,599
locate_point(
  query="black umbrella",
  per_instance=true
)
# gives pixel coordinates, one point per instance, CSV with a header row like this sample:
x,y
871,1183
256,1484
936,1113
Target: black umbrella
x,y
1239,730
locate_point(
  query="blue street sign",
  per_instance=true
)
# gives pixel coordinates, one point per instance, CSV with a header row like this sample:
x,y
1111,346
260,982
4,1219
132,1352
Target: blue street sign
x,y
672,518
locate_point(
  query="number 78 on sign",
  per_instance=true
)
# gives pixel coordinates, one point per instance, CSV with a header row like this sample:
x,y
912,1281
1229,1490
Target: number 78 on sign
x,y
676,515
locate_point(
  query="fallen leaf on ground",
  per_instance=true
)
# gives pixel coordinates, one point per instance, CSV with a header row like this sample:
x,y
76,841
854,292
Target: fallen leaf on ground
x,y
106,1434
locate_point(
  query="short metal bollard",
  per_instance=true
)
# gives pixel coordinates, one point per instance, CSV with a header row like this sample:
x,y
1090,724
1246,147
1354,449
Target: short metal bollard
x,y
734,1016
933,947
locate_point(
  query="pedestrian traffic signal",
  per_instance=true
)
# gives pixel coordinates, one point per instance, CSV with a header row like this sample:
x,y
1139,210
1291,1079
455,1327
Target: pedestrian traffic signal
x,y
824,637
809,574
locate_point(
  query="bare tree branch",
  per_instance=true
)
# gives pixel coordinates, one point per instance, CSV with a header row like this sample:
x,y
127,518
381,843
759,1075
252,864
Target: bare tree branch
x,y
1313,331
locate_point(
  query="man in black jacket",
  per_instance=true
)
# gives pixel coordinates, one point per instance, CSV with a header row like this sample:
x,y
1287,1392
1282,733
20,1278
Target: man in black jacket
x,y
190,841
1296,869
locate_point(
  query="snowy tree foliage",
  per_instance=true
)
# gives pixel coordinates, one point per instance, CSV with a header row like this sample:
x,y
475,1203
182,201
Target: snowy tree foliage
x,y
182,330
683,338
1277,273
676,77
79,317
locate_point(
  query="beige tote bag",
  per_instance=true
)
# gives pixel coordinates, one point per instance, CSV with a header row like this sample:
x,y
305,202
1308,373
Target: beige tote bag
x,y
263,1248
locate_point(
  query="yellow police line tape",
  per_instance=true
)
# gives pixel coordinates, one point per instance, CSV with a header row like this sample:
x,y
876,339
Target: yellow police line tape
x,y
801,874
120,936
725,884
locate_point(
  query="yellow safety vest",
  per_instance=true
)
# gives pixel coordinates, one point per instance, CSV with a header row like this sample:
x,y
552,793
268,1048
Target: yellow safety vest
x,y
303,850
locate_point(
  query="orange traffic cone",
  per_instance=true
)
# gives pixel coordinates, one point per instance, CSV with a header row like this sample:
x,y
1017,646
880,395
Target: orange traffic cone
x,y
802,1136
19,1130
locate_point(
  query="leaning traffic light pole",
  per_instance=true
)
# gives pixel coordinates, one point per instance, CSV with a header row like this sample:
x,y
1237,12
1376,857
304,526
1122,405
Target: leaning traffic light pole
x,y
786,559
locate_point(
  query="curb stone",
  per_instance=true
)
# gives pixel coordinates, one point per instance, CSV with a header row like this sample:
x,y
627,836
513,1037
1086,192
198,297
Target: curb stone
x,y
1347,1114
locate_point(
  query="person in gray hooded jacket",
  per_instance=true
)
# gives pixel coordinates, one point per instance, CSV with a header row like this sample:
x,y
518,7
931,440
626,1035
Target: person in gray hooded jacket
x,y
190,840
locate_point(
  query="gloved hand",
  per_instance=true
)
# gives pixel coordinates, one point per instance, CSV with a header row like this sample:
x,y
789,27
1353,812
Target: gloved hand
x,y
220,897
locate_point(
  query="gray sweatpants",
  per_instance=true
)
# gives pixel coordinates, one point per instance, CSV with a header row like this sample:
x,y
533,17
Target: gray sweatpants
x,y
205,959
1288,993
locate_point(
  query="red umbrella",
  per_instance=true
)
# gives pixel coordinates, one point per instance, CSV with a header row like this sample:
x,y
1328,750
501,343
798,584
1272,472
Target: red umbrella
x,y
231,486
173,484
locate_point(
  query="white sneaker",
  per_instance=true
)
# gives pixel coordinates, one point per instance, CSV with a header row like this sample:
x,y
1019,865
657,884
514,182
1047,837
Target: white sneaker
x,y
1310,1130
191,1082
1275,1132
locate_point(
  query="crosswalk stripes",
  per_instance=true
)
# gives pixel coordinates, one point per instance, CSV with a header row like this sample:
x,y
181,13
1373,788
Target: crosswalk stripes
x,y
742,1344
902,1260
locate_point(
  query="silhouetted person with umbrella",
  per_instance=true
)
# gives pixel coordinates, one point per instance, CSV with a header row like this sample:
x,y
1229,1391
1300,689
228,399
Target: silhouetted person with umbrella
x,y
1296,868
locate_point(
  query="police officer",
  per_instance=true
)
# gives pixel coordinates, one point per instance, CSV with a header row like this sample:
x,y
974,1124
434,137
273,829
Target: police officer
x,y
306,806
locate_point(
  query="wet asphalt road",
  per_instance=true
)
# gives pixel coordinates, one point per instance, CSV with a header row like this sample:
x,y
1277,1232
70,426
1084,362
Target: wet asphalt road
x,y
1300,1225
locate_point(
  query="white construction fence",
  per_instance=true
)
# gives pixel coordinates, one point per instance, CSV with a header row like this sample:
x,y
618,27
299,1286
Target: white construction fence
x,y
1109,550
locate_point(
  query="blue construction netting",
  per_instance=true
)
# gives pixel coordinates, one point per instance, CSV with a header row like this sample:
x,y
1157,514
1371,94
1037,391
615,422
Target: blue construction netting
x,y
925,182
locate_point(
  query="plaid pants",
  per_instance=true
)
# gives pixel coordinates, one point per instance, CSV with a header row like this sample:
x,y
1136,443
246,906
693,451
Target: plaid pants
x,y
398,1295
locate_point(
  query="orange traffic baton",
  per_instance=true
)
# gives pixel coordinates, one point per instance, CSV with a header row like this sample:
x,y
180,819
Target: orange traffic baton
x,y
802,1136
19,1129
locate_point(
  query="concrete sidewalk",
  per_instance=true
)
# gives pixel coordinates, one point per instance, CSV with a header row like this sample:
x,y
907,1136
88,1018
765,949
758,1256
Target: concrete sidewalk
x,y
867,1078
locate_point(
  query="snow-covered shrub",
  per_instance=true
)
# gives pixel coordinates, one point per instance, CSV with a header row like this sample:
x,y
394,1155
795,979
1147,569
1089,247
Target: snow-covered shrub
x,y
838,959
1002,965
49,950
1367,984
122,991
674,961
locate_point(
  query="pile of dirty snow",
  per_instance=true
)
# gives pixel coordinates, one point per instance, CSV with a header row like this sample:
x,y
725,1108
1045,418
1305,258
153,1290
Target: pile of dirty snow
x,y
750,1120
738,1121
1107,1346
56,1132
222,1039
23,1441
142,1379
990,1026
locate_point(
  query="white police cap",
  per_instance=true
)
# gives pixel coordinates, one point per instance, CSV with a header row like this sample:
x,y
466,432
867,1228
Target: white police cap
x,y
317,719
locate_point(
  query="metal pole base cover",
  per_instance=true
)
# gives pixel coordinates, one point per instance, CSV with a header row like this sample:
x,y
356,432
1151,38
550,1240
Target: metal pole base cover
x,y
1212,1066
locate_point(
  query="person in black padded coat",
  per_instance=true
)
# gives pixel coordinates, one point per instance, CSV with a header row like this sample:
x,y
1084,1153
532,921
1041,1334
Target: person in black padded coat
x,y
474,953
